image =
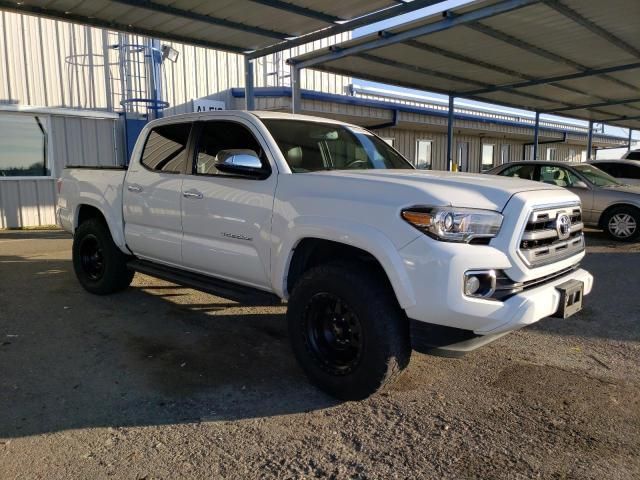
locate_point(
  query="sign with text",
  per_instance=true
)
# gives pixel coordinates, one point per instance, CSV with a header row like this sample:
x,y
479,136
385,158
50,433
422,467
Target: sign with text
x,y
206,105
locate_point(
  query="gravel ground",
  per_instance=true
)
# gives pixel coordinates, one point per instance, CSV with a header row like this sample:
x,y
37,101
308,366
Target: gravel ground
x,y
164,382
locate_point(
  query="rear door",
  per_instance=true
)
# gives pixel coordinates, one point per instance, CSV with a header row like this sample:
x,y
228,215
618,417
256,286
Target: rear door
x,y
226,219
153,195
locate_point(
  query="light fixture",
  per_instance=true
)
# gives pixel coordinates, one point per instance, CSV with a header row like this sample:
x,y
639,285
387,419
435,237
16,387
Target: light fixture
x,y
169,53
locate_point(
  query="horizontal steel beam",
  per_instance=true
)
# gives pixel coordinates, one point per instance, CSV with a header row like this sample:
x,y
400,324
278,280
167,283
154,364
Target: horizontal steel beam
x,y
178,12
390,38
298,10
558,78
609,103
374,17
619,119
12,6
435,73
592,27
480,63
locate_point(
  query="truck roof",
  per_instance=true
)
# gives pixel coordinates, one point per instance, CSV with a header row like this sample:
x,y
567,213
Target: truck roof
x,y
262,114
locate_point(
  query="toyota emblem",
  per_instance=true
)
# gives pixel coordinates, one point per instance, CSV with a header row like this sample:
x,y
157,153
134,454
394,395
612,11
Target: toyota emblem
x,y
563,226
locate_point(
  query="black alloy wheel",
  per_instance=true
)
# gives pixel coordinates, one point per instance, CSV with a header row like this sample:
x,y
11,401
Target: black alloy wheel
x,y
92,257
334,334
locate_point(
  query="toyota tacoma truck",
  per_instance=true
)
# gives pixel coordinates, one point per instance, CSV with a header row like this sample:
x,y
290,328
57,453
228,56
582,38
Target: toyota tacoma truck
x,y
373,257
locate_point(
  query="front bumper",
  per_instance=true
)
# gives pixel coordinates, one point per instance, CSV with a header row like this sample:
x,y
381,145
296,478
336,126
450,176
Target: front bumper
x,y
436,271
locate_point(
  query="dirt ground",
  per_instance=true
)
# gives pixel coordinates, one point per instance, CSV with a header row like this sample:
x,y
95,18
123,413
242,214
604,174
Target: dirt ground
x,y
161,382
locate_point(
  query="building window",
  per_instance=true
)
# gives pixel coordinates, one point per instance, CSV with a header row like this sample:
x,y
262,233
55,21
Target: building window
x,y
572,155
423,154
23,146
487,157
552,154
505,153
389,140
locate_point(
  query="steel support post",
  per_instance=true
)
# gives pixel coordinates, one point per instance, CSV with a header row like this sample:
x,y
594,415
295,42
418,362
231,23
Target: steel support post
x,y
249,93
450,134
296,92
536,136
630,139
590,140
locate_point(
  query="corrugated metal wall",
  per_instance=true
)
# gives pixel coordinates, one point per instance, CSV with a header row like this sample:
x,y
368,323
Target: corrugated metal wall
x,y
27,203
51,63
73,140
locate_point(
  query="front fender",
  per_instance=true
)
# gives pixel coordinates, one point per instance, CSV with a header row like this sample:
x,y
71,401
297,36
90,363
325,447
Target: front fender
x,y
353,234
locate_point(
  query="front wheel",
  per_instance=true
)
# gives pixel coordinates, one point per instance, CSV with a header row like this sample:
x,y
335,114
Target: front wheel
x,y
623,224
100,266
347,330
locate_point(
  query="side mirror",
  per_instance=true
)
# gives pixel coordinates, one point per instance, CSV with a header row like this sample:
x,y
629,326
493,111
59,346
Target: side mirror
x,y
580,184
241,162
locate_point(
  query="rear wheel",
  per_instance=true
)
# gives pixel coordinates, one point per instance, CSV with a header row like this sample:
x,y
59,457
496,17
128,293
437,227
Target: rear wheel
x,y
100,266
347,330
623,224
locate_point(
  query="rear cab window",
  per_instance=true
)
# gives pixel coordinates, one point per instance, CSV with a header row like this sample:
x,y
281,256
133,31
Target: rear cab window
x,y
165,149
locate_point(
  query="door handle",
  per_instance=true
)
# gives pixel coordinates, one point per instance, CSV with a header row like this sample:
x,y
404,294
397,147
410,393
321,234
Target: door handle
x,y
192,194
134,188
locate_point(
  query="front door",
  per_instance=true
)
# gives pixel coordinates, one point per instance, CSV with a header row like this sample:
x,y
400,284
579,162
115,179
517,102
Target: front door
x,y
226,220
153,194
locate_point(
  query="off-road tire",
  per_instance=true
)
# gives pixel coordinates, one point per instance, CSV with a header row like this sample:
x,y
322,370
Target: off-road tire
x,y
384,329
113,275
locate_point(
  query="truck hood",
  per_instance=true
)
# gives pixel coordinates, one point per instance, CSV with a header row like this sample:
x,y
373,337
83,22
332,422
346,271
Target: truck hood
x,y
470,190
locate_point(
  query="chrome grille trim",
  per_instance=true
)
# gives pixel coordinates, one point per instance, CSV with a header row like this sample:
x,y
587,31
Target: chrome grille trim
x,y
540,243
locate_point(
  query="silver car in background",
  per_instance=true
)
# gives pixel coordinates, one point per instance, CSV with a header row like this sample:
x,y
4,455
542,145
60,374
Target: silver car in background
x,y
606,203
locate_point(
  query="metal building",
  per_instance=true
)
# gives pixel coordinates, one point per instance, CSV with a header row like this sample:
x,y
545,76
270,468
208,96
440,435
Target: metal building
x,y
66,90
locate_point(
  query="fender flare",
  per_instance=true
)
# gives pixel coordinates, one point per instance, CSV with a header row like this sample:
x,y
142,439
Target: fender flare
x,y
117,234
357,235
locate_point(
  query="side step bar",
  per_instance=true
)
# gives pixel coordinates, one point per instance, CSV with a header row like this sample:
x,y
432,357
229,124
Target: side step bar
x,y
215,286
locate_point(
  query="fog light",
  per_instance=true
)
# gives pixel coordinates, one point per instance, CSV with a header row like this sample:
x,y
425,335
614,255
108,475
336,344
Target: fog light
x,y
471,285
479,283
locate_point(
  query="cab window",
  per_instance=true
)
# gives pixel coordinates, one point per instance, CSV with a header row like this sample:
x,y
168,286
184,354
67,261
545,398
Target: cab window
x,y
165,149
222,135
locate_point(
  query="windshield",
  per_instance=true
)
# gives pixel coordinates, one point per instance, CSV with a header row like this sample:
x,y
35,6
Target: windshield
x,y
597,176
312,146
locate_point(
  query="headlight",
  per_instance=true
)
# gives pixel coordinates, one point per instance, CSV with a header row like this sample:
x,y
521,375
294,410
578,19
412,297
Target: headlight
x,y
451,224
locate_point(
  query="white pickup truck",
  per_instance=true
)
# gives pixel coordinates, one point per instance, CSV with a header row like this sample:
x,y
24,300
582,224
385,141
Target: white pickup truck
x,y
374,257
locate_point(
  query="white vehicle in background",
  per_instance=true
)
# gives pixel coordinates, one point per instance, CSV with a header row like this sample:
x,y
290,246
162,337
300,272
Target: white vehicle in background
x,y
374,257
625,171
632,155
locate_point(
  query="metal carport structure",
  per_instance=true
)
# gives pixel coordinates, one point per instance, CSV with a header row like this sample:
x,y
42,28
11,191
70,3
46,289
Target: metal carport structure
x,y
252,28
576,58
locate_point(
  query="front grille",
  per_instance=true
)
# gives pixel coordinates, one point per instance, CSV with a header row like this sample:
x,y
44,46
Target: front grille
x,y
547,240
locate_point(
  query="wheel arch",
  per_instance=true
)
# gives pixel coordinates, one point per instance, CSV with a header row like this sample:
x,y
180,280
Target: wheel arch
x,y
320,241
613,206
87,210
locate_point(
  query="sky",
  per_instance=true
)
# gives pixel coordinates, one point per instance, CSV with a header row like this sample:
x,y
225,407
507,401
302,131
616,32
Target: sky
x,y
449,4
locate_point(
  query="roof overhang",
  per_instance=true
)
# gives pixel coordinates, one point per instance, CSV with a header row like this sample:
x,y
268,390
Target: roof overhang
x,y
254,27
577,58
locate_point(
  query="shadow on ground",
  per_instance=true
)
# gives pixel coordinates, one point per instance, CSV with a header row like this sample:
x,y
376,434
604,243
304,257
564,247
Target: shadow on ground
x,y
69,359
159,354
